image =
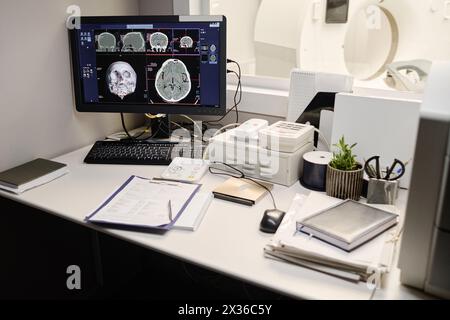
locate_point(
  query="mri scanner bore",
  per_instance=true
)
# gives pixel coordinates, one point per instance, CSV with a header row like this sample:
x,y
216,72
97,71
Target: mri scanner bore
x,y
371,42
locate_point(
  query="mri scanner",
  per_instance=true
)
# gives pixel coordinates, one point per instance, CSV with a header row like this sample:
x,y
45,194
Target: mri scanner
x,y
377,34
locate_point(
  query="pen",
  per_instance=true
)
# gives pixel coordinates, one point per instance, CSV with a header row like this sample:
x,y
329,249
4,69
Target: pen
x,y
173,180
170,210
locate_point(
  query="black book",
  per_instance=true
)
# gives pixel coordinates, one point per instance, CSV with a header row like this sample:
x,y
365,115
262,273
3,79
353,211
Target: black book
x,y
31,174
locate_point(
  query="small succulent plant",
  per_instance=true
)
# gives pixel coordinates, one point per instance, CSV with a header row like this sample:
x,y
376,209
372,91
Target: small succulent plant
x,y
344,160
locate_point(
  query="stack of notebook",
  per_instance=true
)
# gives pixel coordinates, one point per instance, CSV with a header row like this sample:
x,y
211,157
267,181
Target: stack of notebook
x,y
342,238
31,175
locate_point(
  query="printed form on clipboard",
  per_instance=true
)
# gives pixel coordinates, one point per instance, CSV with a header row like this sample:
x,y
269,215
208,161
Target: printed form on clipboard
x,y
145,204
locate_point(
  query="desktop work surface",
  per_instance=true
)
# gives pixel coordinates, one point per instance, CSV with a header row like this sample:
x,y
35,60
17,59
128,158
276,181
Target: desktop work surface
x,y
228,240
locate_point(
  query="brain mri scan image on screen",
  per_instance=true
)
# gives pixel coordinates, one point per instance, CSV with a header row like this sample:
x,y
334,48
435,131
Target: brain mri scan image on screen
x,y
106,42
133,42
158,42
186,42
121,79
173,81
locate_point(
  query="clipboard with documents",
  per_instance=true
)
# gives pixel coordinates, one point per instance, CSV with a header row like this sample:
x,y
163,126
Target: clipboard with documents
x,y
145,204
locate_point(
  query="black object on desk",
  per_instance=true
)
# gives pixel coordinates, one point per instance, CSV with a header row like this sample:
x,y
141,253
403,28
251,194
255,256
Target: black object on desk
x,y
271,220
130,152
31,174
140,152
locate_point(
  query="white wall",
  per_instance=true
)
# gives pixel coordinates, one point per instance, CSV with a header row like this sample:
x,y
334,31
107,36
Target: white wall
x,y
37,113
240,44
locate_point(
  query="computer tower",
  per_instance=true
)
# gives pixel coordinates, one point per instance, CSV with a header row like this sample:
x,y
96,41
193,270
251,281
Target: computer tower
x,y
425,249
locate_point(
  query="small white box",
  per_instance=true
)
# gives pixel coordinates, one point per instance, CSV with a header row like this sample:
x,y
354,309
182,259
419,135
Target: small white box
x,y
186,170
286,136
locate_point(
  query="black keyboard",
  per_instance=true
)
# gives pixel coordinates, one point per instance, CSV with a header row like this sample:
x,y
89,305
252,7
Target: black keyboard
x,y
141,152
189,150
130,152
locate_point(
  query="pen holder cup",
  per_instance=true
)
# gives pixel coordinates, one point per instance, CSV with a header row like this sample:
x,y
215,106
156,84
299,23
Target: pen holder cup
x,y
382,192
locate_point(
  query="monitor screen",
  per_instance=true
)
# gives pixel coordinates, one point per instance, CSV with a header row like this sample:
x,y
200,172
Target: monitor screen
x,y
150,64
337,11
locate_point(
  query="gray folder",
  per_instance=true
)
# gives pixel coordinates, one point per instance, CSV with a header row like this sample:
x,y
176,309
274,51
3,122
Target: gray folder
x,y
348,225
29,171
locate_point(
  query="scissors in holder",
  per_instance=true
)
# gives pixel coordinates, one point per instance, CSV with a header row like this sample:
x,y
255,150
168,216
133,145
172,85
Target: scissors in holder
x,y
375,172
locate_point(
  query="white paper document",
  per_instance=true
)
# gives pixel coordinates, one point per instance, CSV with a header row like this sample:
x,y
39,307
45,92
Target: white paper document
x,y
145,203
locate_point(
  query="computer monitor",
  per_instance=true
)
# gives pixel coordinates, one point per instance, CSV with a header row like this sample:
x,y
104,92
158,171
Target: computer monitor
x,y
150,64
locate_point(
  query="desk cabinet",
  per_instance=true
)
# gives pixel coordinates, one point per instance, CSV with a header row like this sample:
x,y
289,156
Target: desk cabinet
x,y
37,248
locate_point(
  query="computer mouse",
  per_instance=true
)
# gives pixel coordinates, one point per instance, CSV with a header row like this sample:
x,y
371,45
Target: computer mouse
x,y
271,220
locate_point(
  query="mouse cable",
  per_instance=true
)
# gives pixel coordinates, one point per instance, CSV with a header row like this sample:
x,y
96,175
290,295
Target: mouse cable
x,y
242,177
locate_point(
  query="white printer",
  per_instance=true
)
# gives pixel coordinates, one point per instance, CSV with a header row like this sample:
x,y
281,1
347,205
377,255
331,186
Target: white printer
x,y
271,153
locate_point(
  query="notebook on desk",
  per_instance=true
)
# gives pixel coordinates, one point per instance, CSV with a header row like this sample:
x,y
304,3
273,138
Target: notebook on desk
x,y
348,224
31,174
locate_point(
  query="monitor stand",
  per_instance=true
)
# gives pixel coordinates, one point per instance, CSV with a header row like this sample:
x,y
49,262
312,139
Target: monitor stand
x,y
160,127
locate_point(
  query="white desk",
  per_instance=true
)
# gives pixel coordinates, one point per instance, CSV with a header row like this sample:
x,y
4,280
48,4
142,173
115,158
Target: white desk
x,y
228,240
